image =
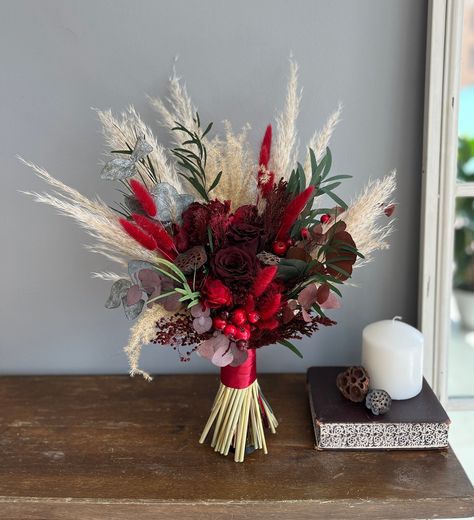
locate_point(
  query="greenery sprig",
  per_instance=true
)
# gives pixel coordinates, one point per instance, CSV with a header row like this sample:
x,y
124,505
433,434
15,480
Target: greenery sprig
x,y
192,158
172,271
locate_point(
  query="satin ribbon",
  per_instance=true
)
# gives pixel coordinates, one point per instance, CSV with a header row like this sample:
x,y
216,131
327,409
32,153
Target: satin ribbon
x,y
242,376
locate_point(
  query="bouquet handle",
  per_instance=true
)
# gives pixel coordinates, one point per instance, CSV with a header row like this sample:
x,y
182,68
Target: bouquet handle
x,y
240,411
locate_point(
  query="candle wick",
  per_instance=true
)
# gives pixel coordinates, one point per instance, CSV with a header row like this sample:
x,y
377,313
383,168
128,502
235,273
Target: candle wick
x,y
397,318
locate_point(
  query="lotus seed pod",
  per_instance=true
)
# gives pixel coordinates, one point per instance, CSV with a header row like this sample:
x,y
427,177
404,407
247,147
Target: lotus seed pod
x,y
378,402
353,383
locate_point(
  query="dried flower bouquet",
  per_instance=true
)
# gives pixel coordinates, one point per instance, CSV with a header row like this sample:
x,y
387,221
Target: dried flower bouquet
x,y
226,253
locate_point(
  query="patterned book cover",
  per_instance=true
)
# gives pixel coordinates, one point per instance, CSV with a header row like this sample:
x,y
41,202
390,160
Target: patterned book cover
x,y
339,424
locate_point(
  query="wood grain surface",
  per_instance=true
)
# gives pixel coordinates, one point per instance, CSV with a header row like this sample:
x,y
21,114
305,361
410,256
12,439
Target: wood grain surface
x,y
113,447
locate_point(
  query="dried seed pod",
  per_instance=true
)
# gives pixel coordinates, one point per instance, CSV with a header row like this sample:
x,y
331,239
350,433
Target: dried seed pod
x,y
353,383
191,259
268,258
378,402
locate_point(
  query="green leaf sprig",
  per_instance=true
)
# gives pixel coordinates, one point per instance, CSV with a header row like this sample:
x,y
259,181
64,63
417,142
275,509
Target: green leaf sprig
x,y
170,270
192,158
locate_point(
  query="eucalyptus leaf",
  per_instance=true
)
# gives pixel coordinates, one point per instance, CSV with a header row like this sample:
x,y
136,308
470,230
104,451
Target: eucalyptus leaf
x,y
169,203
135,266
132,311
118,169
142,149
117,292
121,168
291,268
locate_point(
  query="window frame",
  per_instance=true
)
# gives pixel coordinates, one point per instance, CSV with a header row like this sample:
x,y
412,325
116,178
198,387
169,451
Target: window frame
x,y
440,189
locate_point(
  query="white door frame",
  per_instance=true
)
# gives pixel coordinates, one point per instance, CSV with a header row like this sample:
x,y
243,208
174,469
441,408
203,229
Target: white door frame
x,y
443,56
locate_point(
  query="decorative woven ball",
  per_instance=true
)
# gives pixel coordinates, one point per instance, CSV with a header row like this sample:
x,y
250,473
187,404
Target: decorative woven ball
x,y
378,402
353,383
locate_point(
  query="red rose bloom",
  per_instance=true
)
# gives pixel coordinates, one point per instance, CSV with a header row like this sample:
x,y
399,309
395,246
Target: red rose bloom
x,y
216,294
235,266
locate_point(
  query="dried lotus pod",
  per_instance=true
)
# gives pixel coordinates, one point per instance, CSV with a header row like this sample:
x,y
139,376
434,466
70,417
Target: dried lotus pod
x,y
378,402
268,258
191,259
353,383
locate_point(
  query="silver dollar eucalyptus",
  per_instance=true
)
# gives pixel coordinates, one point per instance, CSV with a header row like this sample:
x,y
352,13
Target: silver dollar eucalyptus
x,y
121,168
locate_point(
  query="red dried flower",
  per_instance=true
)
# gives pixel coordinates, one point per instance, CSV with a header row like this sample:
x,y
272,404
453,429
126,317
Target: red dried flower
x,y
269,306
292,212
163,240
144,197
265,149
198,217
142,237
264,277
216,294
266,179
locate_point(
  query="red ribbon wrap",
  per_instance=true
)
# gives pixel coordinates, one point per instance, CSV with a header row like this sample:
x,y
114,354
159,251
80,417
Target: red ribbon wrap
x,y
242,376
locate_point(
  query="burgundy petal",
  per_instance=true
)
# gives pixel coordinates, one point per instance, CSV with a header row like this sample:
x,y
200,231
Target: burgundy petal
x,y
222,356
134,295
308,296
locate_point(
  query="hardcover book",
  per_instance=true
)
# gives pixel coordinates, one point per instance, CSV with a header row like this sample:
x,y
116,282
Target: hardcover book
x,y
339,424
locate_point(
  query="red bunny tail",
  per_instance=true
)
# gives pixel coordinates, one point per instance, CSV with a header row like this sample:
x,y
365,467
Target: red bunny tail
x,y
144,197
266,147
142,237
292,212
163,240
264,279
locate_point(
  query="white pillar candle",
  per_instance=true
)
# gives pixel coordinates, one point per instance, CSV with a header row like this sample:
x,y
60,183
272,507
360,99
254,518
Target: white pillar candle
x,y
392,354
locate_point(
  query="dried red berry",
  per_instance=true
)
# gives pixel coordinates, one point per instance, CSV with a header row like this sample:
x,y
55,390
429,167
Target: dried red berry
x,y
242,333
325,218
279,248
230,330
253,317
239,317
219,323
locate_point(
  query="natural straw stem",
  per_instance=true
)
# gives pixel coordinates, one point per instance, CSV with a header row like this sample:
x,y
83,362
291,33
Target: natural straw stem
x,y
238,412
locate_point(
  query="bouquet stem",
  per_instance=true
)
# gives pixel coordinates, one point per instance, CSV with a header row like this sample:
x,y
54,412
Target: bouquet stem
x,y
239,412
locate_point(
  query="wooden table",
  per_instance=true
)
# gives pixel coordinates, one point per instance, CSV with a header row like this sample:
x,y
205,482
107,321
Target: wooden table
x,y
119,448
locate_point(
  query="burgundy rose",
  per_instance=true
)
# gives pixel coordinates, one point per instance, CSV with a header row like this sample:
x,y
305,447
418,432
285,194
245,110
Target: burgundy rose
x,y
247,214
234,265
246,236
216,294
197,218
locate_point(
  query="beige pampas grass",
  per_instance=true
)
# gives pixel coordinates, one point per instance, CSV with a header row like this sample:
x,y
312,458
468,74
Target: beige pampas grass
x,y
108,276
122,132
231,156
93,215
365,213
141,334
285,146
320,140
180,107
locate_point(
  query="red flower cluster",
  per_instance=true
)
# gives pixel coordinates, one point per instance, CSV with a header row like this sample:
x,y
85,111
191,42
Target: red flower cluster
x,y
255,263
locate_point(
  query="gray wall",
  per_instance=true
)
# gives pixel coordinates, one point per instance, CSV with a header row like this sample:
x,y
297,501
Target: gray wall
x,y
60,57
